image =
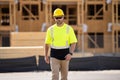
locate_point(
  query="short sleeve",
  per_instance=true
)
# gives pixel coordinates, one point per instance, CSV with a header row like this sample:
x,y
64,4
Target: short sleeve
x,y
72,36
48,38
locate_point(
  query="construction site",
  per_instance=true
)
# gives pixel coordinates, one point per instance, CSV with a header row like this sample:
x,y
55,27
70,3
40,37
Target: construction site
x,y
23,25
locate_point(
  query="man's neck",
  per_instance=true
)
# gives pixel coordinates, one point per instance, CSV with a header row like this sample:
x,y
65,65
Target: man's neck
x,y
59,25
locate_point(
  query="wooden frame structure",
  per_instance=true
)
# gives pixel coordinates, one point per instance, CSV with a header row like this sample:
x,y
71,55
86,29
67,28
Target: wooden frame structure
x,y
92,15
116,26
7,15
7,20
30,15
95,13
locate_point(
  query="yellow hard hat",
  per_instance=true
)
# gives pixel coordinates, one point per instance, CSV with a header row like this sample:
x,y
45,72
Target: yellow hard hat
x,y
58,12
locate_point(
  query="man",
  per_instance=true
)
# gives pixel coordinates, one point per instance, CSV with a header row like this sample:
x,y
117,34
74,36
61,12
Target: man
x,y
61,40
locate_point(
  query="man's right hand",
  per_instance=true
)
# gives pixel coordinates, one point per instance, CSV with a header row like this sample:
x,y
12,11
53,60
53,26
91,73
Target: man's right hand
x,y
47,60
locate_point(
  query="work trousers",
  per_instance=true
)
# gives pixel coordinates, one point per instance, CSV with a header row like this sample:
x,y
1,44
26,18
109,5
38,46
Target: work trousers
x,y
59,66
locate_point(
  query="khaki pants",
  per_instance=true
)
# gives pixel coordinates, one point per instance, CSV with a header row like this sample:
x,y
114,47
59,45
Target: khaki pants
x,y
59,66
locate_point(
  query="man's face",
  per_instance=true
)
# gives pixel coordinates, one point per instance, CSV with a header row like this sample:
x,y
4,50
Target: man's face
x,y
59,19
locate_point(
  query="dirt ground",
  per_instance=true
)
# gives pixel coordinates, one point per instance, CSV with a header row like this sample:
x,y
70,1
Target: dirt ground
x,y
73,75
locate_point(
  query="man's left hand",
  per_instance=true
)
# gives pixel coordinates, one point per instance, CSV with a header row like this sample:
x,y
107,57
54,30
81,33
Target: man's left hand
x,y
68,57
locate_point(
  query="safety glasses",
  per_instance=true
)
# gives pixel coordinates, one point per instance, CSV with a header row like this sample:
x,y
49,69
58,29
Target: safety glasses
x,y
58,17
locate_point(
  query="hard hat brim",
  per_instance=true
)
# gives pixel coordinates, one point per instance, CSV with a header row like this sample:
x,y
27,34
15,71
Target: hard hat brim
x,y
57,15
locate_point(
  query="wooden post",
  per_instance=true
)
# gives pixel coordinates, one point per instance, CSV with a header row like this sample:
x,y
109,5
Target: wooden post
x,y
113,12
116,12
14,15
46,13
78,13
117,40
113,16
50,13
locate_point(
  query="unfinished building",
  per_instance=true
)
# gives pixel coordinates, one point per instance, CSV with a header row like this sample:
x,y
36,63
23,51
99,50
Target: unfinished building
x,y
95,22
7,20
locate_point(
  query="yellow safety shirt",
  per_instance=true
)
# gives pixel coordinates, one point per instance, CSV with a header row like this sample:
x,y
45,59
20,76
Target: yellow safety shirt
x,y
60,37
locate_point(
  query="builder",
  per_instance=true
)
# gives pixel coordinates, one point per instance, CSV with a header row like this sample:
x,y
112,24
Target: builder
x,y
61,39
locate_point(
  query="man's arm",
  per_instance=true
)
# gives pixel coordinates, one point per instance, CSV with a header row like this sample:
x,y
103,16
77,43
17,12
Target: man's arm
x,y
46,54
72,48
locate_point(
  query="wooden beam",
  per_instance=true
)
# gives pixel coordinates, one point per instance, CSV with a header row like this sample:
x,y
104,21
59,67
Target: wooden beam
x,y
116,41
0,40
116,12
29,11
7,28
6,0
14,14
10,13
113,12
93,42
82,12
78,13
46,13
27,38
97,13
50,13
24,51
62,0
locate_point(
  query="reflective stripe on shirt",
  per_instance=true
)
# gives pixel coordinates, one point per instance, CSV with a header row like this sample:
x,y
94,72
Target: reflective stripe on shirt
x,y
52,35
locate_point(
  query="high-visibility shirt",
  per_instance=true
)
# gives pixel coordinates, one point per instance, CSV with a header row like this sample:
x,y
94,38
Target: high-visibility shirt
x,y
60,36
